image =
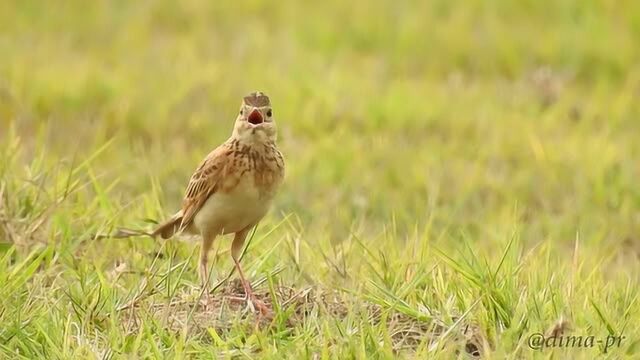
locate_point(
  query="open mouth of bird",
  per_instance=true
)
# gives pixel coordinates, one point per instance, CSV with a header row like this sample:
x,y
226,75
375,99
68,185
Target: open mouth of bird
x,y
255,118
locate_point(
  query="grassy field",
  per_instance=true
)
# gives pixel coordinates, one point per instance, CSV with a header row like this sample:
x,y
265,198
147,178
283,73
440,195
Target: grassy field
x,y
461,176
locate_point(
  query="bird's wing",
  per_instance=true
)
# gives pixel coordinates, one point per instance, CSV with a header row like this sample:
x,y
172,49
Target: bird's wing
x,y
204,182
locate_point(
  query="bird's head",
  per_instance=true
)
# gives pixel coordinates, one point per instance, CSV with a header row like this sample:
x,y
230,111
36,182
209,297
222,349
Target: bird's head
x,y
255,122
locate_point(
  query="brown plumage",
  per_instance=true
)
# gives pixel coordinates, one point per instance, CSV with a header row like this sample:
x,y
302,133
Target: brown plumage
x,y
233,187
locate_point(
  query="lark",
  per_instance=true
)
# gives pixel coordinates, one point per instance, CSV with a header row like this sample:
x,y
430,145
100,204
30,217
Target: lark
x,y
233,187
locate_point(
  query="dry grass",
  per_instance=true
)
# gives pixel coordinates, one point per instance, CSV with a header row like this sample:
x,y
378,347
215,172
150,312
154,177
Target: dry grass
x,y
227,309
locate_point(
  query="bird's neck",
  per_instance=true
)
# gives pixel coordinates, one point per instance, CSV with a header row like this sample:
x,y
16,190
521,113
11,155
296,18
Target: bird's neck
x,y
251,141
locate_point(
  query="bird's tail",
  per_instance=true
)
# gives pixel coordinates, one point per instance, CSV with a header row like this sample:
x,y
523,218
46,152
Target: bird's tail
x,y
122,233
164,230
169,227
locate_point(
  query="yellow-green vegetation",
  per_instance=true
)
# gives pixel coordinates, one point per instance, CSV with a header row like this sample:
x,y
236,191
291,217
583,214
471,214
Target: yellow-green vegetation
x,y
460,175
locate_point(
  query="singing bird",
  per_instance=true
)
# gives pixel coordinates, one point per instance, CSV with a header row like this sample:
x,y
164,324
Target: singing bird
x,y
233,187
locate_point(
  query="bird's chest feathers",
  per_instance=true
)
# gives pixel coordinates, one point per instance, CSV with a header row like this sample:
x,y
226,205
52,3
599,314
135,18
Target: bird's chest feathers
x,y
244,195
255,169
234,209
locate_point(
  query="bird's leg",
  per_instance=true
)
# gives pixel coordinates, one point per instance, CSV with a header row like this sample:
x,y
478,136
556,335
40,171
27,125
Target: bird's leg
x,y
207,241
236,249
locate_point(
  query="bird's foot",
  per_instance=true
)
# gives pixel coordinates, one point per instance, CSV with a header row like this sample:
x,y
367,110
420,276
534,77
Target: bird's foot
x,y
206,300
260,306
254,303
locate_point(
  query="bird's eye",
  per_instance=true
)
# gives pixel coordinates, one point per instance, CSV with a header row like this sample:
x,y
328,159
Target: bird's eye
x,y
241,111
269,113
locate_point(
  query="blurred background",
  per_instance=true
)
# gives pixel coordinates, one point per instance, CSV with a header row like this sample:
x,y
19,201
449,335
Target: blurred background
x,y
421,116
446,161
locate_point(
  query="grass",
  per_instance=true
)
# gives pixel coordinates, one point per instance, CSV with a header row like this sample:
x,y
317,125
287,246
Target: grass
x,y
460,176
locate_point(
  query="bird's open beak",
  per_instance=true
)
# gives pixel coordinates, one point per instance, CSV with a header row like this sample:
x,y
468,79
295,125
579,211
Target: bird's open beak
x,y
255,117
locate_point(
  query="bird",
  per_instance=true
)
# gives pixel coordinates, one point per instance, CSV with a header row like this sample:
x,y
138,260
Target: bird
x,y
233,188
